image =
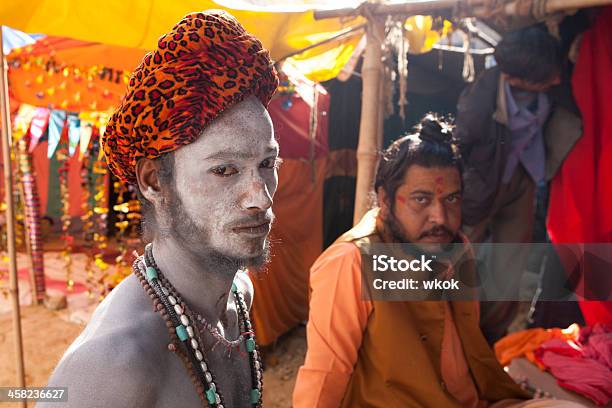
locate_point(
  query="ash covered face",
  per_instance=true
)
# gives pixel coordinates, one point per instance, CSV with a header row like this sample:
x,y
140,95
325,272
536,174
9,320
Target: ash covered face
x,y
223,187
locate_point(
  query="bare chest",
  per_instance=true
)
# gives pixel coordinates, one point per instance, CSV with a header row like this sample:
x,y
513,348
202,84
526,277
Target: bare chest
x,y
232,377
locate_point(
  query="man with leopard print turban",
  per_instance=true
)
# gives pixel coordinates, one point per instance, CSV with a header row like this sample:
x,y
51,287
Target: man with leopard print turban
x,y
194,137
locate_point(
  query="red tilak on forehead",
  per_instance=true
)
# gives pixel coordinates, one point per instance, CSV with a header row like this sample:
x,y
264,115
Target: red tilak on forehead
x,y
439,182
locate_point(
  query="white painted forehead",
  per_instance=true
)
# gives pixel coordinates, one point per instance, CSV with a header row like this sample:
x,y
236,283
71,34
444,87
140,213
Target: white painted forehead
x,y
234,139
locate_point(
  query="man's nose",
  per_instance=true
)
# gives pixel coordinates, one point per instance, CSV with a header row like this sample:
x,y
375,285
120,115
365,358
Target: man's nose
x,y
257,197
437,214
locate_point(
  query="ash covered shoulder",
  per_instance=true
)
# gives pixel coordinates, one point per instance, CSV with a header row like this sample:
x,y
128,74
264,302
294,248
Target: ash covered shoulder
x,y
115,361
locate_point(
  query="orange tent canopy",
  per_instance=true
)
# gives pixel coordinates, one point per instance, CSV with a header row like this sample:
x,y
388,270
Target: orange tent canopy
x,y
67,74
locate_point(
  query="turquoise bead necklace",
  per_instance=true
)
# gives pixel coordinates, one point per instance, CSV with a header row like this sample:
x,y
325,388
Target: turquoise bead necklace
x,y
181,321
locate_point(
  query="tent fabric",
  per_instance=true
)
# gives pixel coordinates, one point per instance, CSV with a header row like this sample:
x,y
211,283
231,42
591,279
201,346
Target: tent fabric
x,y
581,193
68,74
138,23
14,39
291,119
281,292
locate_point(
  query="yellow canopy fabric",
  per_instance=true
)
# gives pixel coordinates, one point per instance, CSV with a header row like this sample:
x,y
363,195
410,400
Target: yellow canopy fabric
x,y
139,23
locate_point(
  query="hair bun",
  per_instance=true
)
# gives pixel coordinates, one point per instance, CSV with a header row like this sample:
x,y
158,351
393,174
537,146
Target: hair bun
x,y
435,129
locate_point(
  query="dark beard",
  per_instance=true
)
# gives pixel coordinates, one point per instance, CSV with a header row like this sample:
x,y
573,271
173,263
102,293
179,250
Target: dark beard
x,y
193,239
393,227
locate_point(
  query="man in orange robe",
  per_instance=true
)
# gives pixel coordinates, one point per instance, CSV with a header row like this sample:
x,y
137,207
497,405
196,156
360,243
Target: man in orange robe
x,y
411,353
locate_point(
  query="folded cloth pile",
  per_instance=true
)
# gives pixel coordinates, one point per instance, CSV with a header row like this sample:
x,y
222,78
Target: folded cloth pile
x,y
525,342
584,365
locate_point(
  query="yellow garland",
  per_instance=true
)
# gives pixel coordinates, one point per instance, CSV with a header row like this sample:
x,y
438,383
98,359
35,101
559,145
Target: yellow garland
x,y
100,211
66,253
122,268
88,224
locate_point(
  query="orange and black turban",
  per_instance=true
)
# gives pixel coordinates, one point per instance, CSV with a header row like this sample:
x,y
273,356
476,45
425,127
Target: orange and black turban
x,y
207,63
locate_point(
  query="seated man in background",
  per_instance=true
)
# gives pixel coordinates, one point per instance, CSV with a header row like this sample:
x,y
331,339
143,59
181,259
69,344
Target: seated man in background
x,y
410,353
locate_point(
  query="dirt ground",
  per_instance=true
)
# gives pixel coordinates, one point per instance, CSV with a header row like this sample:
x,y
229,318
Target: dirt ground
x,y
46,335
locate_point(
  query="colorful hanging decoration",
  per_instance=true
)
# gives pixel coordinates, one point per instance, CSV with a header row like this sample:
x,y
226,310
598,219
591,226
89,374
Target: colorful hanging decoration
x,y
100,214
56,126
22,120
66,253
74,133
4,277
19,205
85,131
44,80
127,211
32,217
87,184
38,126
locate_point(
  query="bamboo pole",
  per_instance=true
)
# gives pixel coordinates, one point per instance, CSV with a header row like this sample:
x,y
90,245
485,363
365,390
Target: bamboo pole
x,y
10,216
426,6
367,149
470,8
353,31
553,6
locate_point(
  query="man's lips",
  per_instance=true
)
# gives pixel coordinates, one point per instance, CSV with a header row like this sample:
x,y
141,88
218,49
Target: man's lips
x,y
253,229
438,236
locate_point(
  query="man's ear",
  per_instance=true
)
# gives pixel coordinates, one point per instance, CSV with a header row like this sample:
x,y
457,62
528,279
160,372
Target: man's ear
x,y
147,177
381,196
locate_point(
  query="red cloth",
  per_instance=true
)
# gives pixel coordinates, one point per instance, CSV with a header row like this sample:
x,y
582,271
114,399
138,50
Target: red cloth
x,y
584,366
581,193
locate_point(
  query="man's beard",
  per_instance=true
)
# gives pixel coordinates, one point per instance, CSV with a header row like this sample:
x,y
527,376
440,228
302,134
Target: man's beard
x,y
394,228
193,238
396,231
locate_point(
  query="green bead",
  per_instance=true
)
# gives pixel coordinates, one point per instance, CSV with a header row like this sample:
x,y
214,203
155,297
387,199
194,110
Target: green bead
x,y
181,332
234,288
255,396
250,345
151,273
210,396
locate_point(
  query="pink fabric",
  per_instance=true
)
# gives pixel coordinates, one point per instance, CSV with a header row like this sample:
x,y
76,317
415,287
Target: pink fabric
x,y
597,342
584,367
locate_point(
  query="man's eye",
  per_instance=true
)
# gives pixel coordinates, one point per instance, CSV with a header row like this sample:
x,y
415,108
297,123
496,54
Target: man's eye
x,y
453,199
421,200
224,171
271,163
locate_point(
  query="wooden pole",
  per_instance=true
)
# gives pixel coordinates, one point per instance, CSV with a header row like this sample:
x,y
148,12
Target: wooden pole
x,y
472,8
367,149
10,216
384,10
353,31
553,6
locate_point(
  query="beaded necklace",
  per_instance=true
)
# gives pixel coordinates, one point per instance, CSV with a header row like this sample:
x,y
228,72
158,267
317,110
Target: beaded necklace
x,y
220,339
186,342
